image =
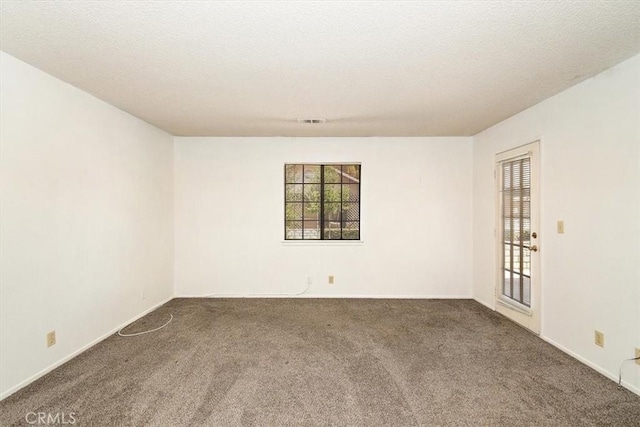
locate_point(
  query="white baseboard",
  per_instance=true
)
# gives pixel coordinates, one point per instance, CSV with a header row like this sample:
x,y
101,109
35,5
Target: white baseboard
x,y
60,362
65,359
579,358
350,296
486,304
593,366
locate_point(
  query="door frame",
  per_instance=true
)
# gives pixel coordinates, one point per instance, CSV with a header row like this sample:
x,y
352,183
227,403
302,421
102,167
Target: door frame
x,y
529,317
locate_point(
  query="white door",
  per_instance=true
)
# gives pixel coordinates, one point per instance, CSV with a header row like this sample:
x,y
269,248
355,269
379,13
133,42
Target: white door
x,y
517,235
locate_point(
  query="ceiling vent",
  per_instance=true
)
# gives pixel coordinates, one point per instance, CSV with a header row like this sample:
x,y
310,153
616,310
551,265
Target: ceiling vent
x,y
312,121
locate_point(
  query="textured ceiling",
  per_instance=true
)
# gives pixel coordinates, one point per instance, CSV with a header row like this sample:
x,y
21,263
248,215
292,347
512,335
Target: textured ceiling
x,y
370,68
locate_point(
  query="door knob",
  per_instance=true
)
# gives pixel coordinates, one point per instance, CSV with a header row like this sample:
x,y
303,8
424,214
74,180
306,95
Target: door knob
x,y
534,248
534,234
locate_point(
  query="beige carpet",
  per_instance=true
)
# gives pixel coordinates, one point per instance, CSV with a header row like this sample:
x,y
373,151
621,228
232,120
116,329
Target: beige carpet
x,y
272,362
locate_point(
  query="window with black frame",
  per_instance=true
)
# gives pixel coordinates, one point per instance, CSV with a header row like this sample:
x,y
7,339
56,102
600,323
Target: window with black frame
x,y
322,201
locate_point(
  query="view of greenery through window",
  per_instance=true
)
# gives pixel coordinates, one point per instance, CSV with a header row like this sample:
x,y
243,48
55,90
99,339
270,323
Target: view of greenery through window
x,y
322,202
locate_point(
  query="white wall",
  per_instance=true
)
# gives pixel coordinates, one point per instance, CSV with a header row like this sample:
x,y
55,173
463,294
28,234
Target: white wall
x,y
590,178
86,220
416,218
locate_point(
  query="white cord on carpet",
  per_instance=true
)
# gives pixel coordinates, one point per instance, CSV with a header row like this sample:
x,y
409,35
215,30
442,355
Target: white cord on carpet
x,y
207,296
144,332
258,295
620,370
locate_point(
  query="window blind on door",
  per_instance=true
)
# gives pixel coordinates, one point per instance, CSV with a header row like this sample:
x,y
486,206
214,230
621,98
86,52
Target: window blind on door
x,y
516,229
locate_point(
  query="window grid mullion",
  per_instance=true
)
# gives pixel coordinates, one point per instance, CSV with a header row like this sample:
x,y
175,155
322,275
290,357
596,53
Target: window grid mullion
x,y
344,222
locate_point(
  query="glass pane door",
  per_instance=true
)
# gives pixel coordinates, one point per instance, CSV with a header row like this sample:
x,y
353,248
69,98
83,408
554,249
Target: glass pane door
x,y
516,230
518,273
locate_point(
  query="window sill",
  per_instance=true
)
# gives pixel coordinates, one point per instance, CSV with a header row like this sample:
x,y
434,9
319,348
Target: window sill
x,y
322,242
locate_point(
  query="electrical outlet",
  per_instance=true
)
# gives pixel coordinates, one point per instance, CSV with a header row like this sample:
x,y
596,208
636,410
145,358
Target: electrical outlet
x,y
51,338
637,355
331,280
599,338
560,226
144,296
309,280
